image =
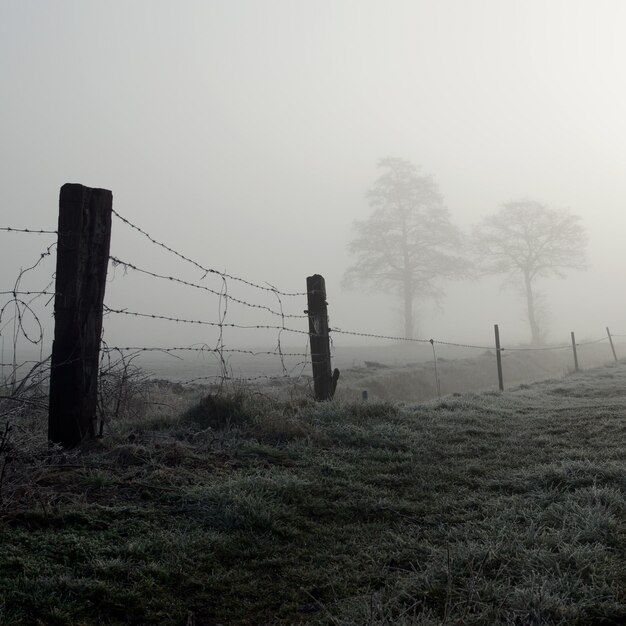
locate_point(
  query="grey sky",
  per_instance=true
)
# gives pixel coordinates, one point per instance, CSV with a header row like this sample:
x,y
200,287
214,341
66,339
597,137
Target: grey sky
x,y
246,133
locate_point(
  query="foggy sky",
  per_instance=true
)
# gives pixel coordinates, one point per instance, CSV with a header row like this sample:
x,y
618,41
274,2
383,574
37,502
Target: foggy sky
x,y
246,133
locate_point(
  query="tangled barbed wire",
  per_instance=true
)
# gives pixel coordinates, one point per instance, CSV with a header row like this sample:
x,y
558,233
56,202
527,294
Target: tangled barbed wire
x,y
25,324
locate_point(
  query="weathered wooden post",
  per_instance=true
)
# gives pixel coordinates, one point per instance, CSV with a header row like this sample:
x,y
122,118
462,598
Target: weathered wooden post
x,y
82,259
575,353
608,332
324,380
499,357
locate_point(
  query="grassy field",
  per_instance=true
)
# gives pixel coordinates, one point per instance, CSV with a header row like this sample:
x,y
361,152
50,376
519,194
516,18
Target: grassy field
x,y
459,371
481,508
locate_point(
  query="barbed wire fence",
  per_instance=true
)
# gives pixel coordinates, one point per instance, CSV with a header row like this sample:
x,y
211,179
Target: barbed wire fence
x,y
21,309
498,352
20,321
22,301
289,363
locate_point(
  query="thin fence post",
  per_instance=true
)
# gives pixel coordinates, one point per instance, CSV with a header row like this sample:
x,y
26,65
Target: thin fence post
x,y
575,353
608,332
499,357
324,380
437,383
84,236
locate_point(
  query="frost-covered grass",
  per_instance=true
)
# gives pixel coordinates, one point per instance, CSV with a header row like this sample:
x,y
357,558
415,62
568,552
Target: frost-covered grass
x,y
482,508
466,370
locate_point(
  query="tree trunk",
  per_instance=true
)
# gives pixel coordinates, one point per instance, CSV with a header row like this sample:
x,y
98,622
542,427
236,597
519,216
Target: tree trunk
x,y
407,291
535,331
408,308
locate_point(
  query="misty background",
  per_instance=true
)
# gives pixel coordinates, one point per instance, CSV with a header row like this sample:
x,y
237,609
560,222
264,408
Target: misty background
x,y
245,134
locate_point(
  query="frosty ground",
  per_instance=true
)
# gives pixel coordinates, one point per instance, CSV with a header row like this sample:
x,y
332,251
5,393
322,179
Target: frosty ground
x,y
479,508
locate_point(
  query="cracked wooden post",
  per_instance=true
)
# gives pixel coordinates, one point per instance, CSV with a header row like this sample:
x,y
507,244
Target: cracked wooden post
x,y
84,236
324,380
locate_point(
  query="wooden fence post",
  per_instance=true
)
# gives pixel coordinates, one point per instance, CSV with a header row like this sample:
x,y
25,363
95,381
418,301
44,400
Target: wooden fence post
x,y
82,258
608,332
324,381
499,357
575,353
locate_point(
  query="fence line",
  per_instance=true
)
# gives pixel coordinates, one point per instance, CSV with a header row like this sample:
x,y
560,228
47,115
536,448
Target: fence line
x,y
440,342
336,330
24,307
43,368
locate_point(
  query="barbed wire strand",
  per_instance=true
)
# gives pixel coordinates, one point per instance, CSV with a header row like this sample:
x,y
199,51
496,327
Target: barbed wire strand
x,y
458,344
127,265
179,320
205,270
27,293
31,231
201,350
588,343
249,379
374,336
